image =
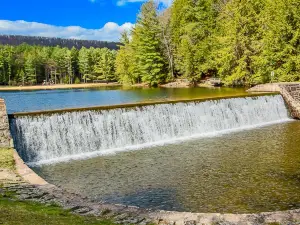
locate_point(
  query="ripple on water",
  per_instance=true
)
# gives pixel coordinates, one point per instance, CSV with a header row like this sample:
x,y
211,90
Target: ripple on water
x,y
250,171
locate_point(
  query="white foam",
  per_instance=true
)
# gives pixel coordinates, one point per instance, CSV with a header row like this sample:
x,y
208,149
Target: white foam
x,y
80,135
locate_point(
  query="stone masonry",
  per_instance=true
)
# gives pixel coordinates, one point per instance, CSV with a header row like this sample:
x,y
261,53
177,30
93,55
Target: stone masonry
x,y
289,91
5,137
291,95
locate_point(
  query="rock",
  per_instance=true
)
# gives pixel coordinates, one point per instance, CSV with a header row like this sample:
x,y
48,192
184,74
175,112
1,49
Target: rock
x,y
83,210
190,222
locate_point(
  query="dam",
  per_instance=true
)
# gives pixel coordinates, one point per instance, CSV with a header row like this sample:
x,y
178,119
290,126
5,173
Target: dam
x,y
75,135
227,155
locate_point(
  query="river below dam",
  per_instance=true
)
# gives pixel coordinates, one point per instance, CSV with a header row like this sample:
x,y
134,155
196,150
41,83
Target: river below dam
x,y
249,171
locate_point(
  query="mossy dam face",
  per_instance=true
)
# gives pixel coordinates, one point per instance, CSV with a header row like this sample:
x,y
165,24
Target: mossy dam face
x,y
228,155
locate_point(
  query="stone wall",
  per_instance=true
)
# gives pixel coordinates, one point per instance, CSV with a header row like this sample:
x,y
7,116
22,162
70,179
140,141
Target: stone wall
x,y
291,95
5,137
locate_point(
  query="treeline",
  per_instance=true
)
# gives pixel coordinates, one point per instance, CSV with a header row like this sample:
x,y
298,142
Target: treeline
x,y
15,40
244,42
30,65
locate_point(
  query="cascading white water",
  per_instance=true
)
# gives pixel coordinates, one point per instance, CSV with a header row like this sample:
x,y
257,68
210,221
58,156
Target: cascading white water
x,y
59,137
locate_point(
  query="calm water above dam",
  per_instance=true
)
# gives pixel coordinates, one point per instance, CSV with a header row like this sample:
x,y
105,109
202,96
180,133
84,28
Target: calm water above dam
x,y
26,101
250,171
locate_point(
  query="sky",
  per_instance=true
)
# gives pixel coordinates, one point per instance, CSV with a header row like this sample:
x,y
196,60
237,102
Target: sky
x,y
78,19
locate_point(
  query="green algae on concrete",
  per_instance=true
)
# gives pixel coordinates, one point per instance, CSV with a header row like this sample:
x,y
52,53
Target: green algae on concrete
x,y
7,159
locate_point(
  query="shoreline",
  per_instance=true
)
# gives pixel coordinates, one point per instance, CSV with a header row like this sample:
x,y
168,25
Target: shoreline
x,y
174,84
57,86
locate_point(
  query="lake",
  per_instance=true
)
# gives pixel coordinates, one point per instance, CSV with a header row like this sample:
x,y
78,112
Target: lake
x,y
26,101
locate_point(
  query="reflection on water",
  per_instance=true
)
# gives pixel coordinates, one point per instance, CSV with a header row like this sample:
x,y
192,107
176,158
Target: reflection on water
x,y
25,101
250,171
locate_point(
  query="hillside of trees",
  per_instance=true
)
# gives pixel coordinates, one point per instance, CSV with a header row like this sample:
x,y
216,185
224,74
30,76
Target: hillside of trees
x,y
16,40
242,42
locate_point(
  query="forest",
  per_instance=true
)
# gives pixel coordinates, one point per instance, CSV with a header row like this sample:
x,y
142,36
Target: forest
x,y
29,65
16,40
243,42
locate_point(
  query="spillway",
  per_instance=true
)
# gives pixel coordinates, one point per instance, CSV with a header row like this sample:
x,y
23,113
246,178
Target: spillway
x,y
59,137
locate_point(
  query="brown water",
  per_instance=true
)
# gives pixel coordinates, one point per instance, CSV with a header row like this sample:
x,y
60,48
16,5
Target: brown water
x,y
249,171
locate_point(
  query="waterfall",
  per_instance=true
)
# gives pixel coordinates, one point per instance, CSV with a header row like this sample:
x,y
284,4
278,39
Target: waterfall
x,y
74,135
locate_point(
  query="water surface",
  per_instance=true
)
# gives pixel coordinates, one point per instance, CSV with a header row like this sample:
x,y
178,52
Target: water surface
x,y
249,171
26,101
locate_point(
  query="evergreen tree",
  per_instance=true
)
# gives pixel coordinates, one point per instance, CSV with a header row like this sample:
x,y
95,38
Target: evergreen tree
x,y
30,75
281,41
239,41
193,27
125,61
146,43
84,63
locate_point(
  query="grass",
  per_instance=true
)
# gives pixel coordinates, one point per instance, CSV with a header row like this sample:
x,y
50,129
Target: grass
x,y
7,159
15,212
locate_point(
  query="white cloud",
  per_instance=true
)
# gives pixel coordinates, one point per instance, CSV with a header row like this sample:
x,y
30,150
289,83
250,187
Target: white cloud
x,y
109,32
165,3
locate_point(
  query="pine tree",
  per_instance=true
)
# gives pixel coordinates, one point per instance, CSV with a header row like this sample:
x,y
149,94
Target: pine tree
x,y
239,41
124,61
147,46
30,75
84,62
193,26
281,41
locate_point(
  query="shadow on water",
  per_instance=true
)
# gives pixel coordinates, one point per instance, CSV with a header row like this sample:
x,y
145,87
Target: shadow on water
x,y
155,198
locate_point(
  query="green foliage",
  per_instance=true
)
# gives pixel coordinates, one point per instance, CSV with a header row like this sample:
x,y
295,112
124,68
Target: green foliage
x,y
281,40
29,65
144,50
193,26
241,41
104,67
77,80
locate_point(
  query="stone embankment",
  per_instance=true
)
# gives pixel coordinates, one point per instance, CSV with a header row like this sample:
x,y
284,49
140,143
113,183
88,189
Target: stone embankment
x,y
289,91
5,138
28,186
50,195
291,95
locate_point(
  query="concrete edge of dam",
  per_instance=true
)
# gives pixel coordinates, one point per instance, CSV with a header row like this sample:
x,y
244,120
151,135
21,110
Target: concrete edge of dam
x,y
289,91
134,105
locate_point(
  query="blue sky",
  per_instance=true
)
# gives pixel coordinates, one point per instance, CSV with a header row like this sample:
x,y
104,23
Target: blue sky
x,y
80,19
